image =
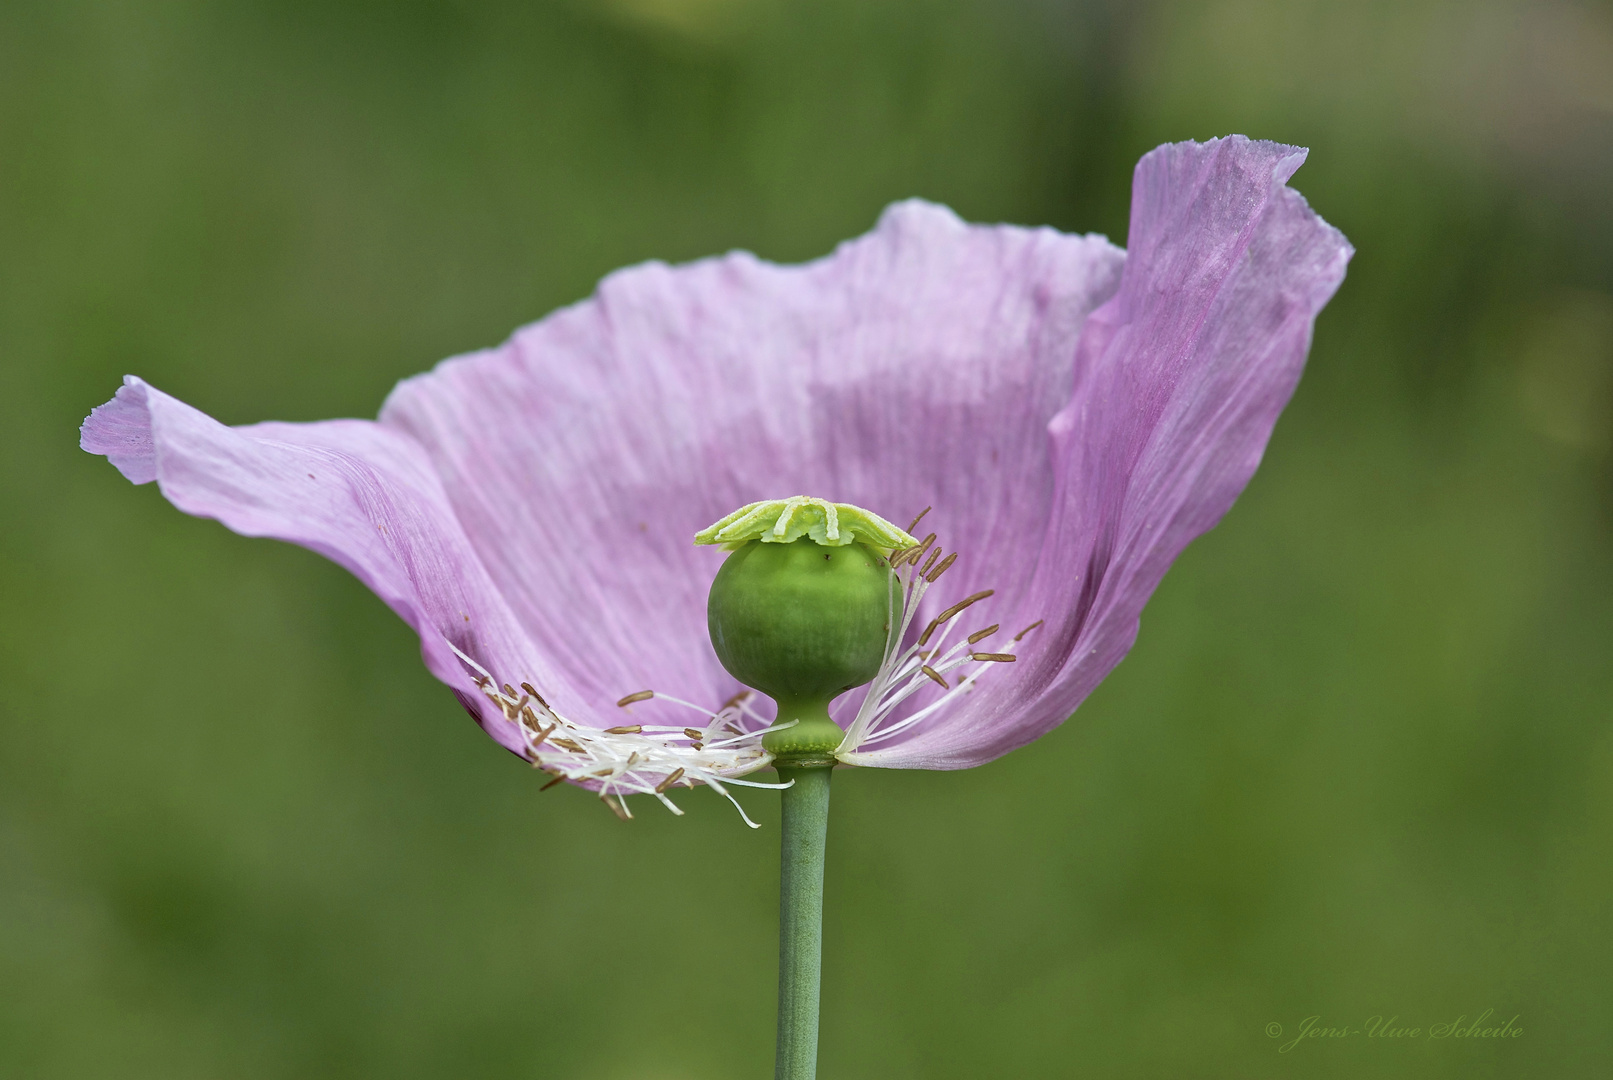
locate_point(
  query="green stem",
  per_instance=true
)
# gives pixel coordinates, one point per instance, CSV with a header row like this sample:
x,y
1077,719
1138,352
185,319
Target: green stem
x,y
800,951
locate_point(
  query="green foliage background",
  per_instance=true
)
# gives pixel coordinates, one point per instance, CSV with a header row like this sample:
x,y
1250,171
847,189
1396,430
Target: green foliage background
x,y
1359,762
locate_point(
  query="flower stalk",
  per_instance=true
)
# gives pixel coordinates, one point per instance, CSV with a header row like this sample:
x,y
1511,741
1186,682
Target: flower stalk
x,y
804,831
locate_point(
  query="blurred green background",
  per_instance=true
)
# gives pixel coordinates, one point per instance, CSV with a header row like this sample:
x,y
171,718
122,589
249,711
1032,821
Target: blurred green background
x,y
1359,762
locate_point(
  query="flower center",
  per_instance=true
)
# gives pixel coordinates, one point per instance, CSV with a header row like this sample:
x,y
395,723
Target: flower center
x,y
814,600
805,620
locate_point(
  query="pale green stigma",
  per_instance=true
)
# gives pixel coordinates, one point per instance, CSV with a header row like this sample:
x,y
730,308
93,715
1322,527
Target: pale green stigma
x,y
784,521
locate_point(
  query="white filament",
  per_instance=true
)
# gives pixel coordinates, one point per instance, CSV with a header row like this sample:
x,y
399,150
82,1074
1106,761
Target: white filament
x,y
902,674
616,764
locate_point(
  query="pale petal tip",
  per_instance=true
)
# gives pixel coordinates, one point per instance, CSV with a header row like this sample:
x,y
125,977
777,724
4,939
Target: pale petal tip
x,y
121,430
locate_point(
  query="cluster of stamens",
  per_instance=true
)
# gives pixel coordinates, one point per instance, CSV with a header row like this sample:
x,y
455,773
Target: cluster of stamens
x,y
634,759
928,660
652,759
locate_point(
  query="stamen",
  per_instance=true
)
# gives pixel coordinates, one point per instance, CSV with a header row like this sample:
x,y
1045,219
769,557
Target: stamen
x,y
961,604
725,793
743,735
917,553
632,758
908,669
686,704
641,695
918,519
1029,628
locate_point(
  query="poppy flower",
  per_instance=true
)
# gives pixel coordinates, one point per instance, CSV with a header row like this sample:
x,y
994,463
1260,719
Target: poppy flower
x,y
1069,414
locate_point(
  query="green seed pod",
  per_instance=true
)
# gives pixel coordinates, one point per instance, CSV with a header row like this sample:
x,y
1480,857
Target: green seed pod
x,y
802,609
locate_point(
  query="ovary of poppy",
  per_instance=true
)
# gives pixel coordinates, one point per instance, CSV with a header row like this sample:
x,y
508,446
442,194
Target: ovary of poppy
x,y
1072,414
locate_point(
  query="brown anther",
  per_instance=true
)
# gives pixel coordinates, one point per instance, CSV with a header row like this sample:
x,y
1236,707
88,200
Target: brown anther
x,y
530,718
918,519
934,555
671,778
697,746
553,782
602,772
625,729
917,552
615,803
567,744
924,638
997,657
935,574
961,604
1029,628
642,695
481,680
934,674
509,691
737,700
543,733
529,688
694,733
981,635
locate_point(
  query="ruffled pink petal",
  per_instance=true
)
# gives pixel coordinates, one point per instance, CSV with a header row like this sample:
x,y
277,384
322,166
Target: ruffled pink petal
x,y
916,366
544,493
1179,381
352,490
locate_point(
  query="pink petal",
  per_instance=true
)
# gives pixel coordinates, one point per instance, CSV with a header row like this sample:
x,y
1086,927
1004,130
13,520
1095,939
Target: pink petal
x,y
1180,379
352,490
916,366
548,489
